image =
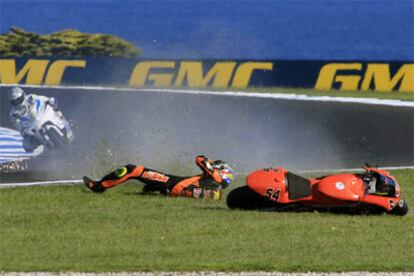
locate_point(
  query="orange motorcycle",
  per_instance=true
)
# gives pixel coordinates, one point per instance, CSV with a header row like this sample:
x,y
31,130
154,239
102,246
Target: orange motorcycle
x,y
374,191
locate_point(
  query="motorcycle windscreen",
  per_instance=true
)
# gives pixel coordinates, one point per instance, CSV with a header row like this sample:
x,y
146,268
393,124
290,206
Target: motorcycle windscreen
x,y
298,186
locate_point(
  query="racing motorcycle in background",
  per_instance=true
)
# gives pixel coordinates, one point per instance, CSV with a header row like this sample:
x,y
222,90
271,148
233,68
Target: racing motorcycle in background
x,y
374,191
47,125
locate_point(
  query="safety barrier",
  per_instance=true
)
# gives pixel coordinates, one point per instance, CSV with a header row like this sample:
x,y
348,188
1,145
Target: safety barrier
x,y
236,74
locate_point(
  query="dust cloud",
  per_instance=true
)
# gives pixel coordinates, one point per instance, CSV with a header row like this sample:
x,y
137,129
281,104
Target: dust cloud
x,y
165,131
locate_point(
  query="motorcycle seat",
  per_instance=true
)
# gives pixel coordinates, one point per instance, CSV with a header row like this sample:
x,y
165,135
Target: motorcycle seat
x,y
298,186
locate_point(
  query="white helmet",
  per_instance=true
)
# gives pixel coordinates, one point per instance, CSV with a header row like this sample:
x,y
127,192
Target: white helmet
x,y
16,96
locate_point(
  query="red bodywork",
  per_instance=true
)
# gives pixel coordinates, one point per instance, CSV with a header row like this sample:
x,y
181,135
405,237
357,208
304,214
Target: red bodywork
x,y
334,190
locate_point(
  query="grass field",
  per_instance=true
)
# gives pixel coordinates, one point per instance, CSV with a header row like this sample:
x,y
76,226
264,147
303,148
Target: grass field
x,y
67,228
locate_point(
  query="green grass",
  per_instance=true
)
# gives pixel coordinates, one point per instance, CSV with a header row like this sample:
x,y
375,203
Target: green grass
x,y
67,228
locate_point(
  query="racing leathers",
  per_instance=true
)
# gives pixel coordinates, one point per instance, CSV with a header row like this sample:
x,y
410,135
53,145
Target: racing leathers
x,y
209,184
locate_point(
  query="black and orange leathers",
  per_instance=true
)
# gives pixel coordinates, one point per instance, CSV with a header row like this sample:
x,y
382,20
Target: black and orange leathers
x,y
208,184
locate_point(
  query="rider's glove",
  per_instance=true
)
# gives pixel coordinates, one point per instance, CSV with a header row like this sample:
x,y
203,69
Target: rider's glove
x,y
206,162
208,165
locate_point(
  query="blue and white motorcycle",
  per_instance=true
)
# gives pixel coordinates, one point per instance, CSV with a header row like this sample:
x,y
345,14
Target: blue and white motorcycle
x,y
47,125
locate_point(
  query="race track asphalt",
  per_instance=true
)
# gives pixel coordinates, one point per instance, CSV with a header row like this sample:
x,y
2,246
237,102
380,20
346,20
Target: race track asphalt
x,y
166,130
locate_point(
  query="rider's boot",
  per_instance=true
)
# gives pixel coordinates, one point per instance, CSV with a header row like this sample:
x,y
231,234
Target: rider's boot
x,y
69,132
95,186
114,178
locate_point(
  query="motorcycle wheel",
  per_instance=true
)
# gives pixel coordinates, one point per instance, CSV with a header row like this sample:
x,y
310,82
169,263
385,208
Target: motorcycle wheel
x,y
400,210
246,199
56,139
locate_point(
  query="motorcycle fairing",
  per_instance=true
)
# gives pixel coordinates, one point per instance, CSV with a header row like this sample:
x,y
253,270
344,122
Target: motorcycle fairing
x,y
37,103
386,202
345,187
278,182
387,179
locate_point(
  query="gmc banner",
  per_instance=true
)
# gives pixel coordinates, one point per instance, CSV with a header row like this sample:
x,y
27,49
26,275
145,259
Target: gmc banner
x,y
236,74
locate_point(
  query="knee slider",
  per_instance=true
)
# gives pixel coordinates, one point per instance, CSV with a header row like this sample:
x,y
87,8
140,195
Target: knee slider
x,y
120,172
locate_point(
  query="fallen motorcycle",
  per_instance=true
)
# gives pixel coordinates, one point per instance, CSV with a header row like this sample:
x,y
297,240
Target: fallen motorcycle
x,y
275,189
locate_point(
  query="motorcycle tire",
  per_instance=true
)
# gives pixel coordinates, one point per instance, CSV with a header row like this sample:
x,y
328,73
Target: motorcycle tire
x,y
400,209
246,199
56,139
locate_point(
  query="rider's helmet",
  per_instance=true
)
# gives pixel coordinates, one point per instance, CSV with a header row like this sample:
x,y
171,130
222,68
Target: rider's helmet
x,y
225,171
16,96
